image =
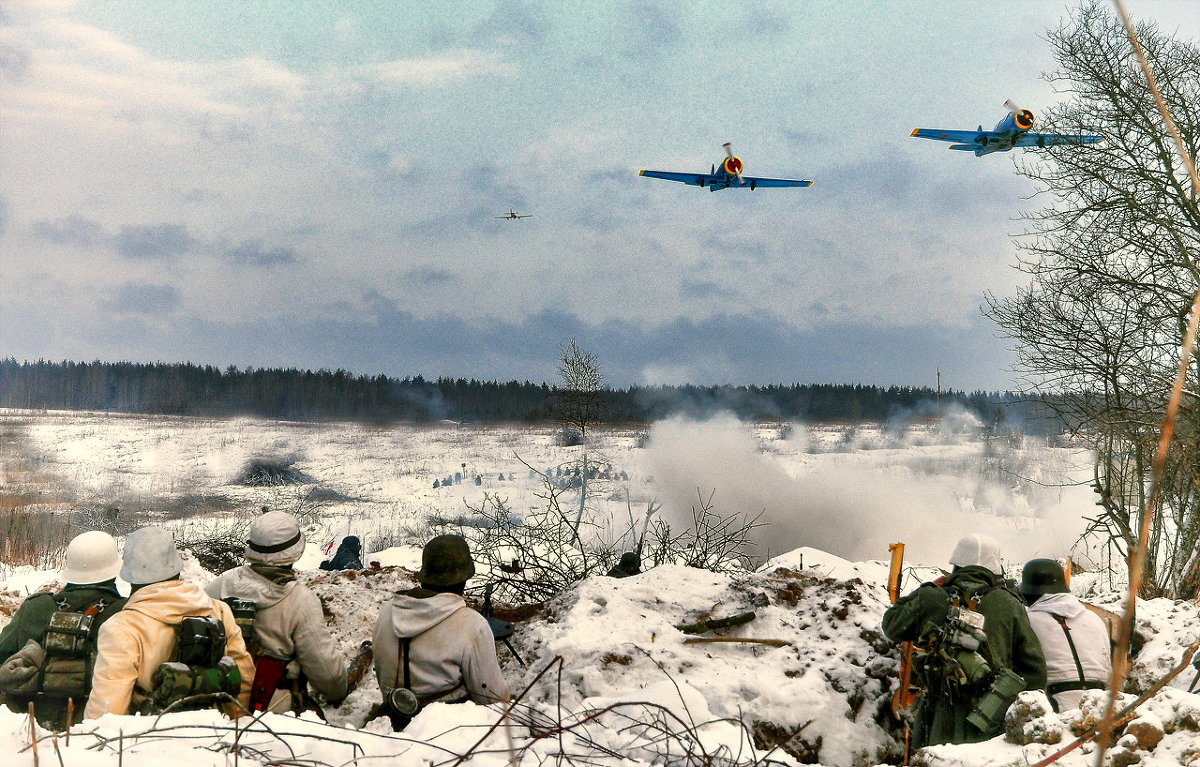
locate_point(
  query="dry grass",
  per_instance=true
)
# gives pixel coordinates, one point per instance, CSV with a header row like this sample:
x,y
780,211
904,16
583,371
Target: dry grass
x,y
35,523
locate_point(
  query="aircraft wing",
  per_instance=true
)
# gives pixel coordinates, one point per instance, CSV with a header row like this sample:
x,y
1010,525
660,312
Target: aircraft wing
x,y
715,182
695,179
755,182
957,136
1055,139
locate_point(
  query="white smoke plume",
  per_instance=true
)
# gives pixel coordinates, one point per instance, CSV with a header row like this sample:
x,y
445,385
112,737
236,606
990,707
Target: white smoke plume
x,y
924,487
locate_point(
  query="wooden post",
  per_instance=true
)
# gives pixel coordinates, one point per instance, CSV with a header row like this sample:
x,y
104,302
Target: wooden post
x,y
33,735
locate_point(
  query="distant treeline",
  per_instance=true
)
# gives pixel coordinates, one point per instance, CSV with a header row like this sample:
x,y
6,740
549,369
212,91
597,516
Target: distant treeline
x,y
187,389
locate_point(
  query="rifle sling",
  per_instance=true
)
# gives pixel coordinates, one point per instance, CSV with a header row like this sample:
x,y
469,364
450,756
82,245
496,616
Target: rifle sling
x,y
1062,622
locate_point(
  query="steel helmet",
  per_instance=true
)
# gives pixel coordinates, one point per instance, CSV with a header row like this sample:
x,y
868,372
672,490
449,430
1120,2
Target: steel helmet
x,y
977,549
446,561
1042,576
275,539
150,556
91,558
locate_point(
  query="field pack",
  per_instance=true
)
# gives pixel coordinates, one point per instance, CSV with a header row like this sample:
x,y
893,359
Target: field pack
x,y
60,666
200,675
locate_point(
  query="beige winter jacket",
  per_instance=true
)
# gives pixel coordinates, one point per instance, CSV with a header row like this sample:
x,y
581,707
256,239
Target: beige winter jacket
x,y
289,623
141,637
452,653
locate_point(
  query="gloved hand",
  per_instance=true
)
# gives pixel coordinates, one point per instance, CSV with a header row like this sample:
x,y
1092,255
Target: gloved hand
x,y
18,674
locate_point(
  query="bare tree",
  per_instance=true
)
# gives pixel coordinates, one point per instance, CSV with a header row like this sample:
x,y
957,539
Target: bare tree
x,y
1114,261
579,402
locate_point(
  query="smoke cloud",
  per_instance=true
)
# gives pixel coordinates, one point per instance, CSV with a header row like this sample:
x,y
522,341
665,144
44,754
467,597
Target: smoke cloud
x,y
854,491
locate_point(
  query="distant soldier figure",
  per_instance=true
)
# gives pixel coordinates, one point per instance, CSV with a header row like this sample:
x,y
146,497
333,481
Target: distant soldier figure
x,y
51,666
428,642
291,644
630,564
1073,637
981,650
347,557
147,635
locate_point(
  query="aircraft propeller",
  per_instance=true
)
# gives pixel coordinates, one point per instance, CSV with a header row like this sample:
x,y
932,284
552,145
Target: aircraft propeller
x,y
733,164
1023,118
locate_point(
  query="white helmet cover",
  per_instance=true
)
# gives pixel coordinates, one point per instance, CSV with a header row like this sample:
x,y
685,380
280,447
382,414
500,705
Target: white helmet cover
x,y
150,556
275,539
977,549
91,558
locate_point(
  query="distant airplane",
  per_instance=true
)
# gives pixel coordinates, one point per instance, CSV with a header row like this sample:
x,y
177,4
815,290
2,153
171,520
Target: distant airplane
x,y
1012,131
513,215
729,175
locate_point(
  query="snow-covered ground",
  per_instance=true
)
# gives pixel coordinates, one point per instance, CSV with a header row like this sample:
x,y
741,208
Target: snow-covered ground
x,y
846,490
610,680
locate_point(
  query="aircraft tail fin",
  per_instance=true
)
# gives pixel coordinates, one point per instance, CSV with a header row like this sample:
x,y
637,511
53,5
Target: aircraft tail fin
x,y
963,147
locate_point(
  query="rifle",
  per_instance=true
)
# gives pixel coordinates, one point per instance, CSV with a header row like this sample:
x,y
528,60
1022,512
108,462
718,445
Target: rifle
x,y
501,630
359,666
906,693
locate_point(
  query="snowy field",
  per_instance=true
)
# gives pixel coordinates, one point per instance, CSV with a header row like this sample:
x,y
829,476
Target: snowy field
x,y
846,490
609,680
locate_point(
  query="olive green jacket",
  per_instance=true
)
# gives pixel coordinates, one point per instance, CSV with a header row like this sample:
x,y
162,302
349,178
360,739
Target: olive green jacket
x,y
941,717
33,616
32,619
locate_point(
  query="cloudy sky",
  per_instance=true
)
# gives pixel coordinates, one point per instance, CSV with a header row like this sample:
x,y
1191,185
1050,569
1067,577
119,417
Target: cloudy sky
x,y
313,184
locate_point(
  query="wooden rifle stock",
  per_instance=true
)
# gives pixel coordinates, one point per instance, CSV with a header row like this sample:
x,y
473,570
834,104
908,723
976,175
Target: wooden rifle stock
x,y
906,693
359,666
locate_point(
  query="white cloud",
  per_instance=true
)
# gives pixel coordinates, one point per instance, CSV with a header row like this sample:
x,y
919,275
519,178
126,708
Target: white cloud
x,y
453,65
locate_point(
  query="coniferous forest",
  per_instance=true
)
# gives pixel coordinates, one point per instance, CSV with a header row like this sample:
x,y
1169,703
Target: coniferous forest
x,y
188,389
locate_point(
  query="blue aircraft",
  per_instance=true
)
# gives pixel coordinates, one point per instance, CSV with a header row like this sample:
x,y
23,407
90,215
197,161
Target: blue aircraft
x,y
727,176
1012,131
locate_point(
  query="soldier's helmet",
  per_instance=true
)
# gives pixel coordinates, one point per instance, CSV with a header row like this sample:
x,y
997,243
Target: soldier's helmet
x,y
630,561
446,561
91,558
150,556
275,539
1042,576
978,550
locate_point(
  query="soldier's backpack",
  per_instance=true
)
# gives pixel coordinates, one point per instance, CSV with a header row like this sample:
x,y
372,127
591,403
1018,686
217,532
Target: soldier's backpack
x,y
958,662
60,666
199,675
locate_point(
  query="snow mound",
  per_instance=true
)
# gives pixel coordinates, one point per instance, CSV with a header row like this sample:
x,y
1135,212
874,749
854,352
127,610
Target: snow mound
x,y
819,697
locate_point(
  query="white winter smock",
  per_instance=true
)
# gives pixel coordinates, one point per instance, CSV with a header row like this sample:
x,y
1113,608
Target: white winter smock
x,y
133,643
1089,635
452,651
289,623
